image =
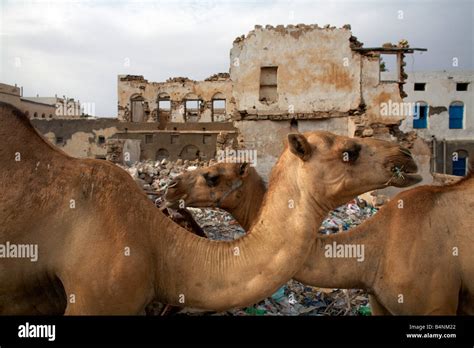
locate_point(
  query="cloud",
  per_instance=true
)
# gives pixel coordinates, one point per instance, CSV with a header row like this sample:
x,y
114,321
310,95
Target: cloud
x,y
78,48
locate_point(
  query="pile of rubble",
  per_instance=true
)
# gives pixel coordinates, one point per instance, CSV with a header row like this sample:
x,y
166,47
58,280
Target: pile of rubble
x,y
293,298
156,175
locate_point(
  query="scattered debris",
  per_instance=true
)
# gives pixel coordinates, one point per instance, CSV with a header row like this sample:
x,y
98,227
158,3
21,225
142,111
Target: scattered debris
x,y
347,216
294,298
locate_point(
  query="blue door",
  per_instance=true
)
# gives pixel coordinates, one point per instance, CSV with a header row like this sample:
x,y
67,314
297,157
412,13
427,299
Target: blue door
x,y
459,166
455,116
420,116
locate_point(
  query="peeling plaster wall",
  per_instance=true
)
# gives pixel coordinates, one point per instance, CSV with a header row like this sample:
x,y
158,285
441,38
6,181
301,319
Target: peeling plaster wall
x,y
268,137
376,92
184,139
177,89
81,137
312,76
440,92
321,82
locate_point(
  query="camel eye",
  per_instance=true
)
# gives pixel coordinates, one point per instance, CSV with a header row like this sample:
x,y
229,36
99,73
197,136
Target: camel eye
x,y
351,154
211,180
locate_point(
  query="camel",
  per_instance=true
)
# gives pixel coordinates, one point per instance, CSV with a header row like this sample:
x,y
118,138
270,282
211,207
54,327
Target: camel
x,y
423,277
104,248
418,257
234,187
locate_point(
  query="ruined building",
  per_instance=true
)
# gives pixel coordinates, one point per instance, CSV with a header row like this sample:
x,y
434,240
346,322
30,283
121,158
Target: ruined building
x,y
443,103
281,79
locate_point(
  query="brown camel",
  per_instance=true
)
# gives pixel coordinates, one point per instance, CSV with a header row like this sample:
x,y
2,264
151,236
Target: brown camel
x,y
423,277
418,254
103,247
233,187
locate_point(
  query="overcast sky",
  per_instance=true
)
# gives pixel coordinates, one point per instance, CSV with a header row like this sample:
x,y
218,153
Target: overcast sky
x,y
78,48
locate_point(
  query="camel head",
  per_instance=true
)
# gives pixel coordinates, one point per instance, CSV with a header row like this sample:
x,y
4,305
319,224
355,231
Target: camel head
x,y
220,185
338,168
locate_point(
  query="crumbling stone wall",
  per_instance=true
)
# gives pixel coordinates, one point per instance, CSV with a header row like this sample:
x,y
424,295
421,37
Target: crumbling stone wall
x,y
171,144
324,81
99,138
318,74
177,90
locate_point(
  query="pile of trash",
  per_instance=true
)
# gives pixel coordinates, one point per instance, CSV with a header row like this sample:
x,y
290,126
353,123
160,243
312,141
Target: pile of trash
x,y
217,224
156,175
347,216
293,298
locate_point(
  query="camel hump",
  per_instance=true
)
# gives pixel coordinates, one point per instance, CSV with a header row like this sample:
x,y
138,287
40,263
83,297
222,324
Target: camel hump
x,y
10,113
19,138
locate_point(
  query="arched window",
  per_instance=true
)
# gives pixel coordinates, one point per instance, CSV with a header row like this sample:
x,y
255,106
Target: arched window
x,y
138,112
420,115
43,115
192,107
189,152
459,162
164,109
162,154
35,114
456,115
218,107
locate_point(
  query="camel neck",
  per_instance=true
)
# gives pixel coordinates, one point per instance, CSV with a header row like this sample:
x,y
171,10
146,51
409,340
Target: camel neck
x,y
206,274
247,211
348,260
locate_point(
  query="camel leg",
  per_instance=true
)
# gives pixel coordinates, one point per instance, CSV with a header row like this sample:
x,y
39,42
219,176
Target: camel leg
x,y
377,307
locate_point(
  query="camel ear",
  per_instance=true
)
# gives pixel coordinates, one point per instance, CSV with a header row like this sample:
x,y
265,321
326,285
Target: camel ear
x,y
243,169
299,146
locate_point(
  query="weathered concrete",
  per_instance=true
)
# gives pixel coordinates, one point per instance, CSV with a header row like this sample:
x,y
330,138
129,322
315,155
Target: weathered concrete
x,y
267,137
317,71
82,138
313,76
440,92
177,91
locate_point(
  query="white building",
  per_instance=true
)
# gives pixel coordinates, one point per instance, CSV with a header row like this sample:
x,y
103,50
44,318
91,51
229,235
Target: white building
x,y
443,112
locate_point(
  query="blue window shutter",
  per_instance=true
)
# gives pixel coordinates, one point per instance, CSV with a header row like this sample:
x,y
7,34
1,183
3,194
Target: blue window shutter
x,y
420,117
459,166
455,116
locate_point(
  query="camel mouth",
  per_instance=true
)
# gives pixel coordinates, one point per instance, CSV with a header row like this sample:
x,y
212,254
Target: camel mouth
x,y
404,174
181,201
171,204
172,199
